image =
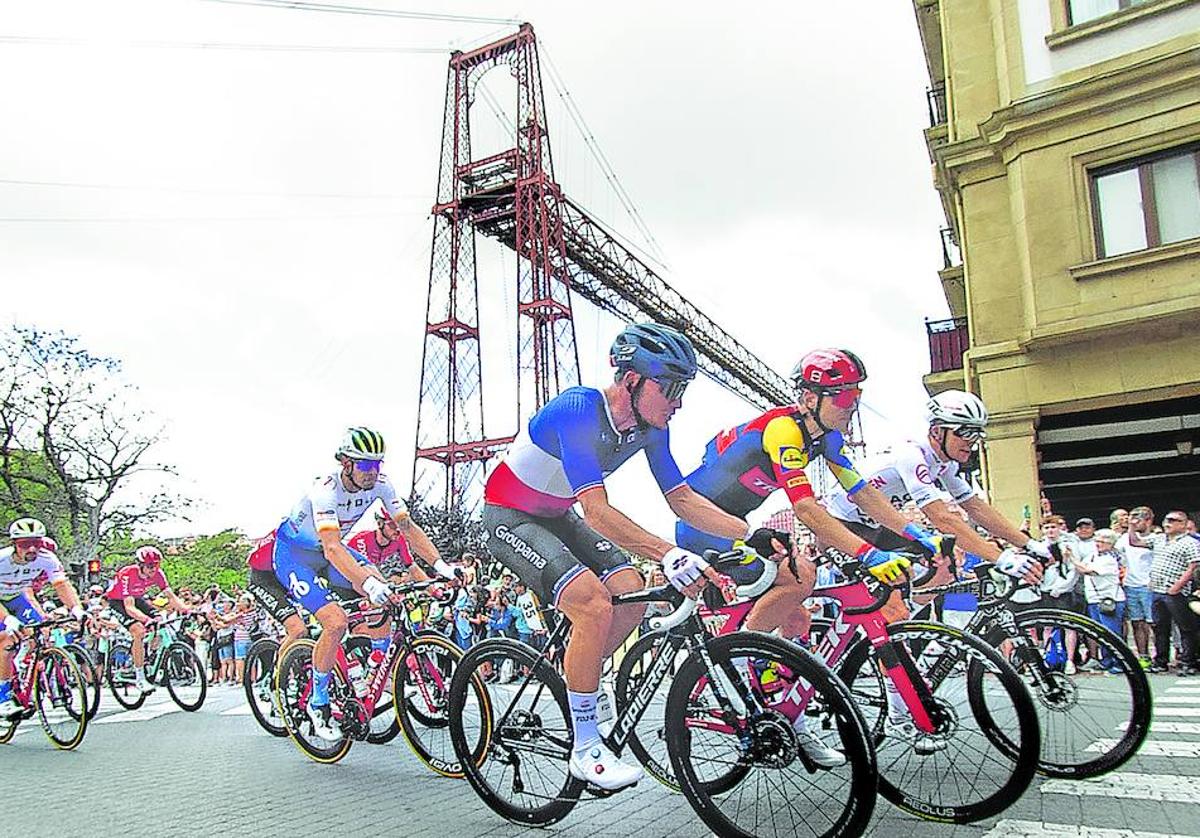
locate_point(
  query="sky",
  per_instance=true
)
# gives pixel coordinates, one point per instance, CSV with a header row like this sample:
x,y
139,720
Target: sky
x,y
234,201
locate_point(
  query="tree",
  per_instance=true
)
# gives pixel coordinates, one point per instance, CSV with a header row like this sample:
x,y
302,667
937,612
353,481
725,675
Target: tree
x,y
73,445
453,531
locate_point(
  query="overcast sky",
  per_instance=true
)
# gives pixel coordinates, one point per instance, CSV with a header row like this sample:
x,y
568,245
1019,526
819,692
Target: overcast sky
x,y
247,227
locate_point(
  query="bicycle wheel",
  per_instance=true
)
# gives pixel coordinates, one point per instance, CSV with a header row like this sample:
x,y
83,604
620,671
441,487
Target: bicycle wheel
x,y
91,676
724,716
61,697
257,681
121,676
648,739
1091,724
965,776
513,740
7,731
184,674
422,679
293,685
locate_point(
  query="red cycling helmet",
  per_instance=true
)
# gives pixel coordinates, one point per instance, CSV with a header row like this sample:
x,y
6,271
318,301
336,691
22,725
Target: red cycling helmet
x,y
49,544
823,370
148,556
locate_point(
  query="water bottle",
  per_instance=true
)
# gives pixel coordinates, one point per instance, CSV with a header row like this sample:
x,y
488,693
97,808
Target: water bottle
x,y
376,659
354,670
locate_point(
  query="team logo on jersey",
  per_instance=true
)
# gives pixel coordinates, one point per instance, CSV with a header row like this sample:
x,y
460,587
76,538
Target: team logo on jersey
x,y
603,546
797,482
791,457
922,472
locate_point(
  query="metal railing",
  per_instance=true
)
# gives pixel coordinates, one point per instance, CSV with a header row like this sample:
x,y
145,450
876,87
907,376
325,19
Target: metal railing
x,y
948,341
936,98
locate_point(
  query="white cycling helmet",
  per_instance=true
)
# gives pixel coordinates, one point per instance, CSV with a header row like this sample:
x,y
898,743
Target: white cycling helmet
x,y
956,409
27,528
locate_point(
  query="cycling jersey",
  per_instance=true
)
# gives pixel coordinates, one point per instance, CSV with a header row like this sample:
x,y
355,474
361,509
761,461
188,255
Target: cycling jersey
x,y
329,505
130,583
745,464
912,473
16,577
397,550
569,446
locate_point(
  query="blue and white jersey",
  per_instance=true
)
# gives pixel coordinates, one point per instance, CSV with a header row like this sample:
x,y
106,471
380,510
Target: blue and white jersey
x,y
329,505
569,446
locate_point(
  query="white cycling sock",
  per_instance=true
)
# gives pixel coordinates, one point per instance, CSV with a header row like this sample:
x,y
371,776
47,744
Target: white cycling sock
x,y
604,707
583,719
897,709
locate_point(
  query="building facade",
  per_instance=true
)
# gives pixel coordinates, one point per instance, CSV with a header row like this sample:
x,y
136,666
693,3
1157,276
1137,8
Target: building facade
x,y
1065,142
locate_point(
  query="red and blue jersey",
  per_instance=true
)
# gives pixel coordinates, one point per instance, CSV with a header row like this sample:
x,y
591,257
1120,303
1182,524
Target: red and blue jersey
x,y
746,463
569,446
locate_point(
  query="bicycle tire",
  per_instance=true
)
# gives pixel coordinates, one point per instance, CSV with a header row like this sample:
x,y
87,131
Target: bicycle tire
x,y
65,681
177,658
647,740
91,674
765,740
1058,701
120,657
423,716
8,729
259,672
1012,705
293,675
524,727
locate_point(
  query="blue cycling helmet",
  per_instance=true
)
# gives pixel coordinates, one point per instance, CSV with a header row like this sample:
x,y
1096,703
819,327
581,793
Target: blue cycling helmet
x,y
654,351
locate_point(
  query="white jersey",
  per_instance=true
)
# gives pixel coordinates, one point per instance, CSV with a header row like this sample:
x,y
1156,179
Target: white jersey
x,y
912,473
14,577
329,505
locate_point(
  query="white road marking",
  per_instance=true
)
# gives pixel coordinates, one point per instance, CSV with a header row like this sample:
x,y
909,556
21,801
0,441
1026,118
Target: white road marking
x,y
1167,727
244,710
1009,828
1177,711
1159,788
1153,748
142,714
1177,699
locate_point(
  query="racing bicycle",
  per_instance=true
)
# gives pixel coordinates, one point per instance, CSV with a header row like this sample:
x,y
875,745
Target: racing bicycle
x,y
171,663
48,683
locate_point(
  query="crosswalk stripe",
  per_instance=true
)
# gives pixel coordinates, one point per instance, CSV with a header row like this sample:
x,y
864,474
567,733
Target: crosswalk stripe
x,y
244,710
1153,748
1159,788
1178,699
1190,687
1177,711
1167,727
1009,828
142,714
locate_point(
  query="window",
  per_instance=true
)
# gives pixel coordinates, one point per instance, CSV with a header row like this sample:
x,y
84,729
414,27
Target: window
x,y
1081,11
1147,203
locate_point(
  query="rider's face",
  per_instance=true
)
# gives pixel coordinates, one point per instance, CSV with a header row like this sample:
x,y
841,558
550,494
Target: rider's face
x,y
26,549
365,477
959,449
654,406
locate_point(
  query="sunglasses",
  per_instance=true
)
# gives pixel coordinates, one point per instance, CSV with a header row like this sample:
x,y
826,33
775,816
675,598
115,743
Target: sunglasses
x,y
368,465
1170,520
844,398
672,388
968,434
26,543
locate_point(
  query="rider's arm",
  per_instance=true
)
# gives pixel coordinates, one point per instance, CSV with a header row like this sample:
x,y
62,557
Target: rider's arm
x,y
825,527
703,514
175,602
66,592
133,611
618,528
338,556
986,516
876,504
946,520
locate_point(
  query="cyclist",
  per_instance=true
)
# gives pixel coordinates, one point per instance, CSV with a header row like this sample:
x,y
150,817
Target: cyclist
x,y
385,545
561,457
127,599
744,465
318,571
22,564
264,587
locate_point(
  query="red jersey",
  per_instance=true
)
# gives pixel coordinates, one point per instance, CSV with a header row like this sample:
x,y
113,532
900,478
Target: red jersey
x,y
365,543
129,582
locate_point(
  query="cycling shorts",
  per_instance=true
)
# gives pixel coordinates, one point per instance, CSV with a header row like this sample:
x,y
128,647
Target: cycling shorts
x,y
264,587
118,609
21,608
296,569
547,553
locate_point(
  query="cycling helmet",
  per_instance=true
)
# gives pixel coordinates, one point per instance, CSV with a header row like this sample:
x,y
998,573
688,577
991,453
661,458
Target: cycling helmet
x,y
50,544
382,516
362,444
828,369
27,528
956,409
148,556
654,351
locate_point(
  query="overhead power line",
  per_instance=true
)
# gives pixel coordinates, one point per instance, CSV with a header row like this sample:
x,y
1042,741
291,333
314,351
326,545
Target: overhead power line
x,y
338,8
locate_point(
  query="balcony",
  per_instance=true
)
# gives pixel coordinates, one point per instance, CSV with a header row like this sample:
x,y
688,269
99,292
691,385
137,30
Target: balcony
x,y
947,342
935,98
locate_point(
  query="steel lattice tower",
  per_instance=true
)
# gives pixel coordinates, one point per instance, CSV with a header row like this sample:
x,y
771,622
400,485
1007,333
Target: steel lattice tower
x,y
513,196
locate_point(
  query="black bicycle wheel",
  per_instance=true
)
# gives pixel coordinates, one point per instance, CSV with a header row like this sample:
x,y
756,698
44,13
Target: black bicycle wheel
x,y
293,685
91,676
421,678
184,674
1090,724
956,774
513,740
731,716
121,675
258,681
61,697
